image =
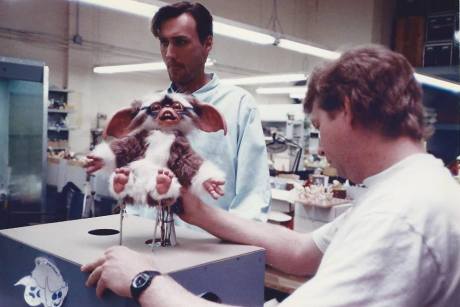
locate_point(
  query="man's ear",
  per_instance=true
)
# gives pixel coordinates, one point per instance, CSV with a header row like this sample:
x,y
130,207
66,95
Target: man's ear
x,y
208,43
347,109
208,118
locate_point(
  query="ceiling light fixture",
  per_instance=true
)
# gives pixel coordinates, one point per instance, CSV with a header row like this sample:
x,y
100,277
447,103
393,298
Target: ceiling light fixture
x,y
439,83
281,90
128,6
299,96
152,66
241,33
265,79
308,49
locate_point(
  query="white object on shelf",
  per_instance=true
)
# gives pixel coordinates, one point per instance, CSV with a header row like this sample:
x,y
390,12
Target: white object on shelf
x,y
309,218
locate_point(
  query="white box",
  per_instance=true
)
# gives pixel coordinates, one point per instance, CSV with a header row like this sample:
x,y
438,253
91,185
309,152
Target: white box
x,y
308,218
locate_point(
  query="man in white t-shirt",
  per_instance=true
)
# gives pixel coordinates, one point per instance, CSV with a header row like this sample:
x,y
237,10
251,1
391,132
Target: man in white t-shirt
x,y
398,246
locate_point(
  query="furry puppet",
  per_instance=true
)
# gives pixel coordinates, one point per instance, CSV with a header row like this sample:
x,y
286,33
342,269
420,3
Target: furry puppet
x,y
150,140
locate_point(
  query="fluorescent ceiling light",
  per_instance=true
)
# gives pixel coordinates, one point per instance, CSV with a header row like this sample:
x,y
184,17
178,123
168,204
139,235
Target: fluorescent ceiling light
x,y
281,90
128,6
152,66
307,49
443,84
300,96
242,33
265,79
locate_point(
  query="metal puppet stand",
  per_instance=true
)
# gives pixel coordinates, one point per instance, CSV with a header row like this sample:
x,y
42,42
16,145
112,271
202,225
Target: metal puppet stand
x,y
164,234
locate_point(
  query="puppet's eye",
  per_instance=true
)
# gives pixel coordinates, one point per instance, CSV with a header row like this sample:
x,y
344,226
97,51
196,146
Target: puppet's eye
x,y
156,107
177,106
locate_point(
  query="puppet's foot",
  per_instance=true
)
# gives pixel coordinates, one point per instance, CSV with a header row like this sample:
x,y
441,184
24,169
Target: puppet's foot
x,y
120,179
214,187
164,180
166,187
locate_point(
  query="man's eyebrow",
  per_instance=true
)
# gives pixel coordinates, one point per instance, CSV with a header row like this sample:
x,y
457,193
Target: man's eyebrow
x,y
173,37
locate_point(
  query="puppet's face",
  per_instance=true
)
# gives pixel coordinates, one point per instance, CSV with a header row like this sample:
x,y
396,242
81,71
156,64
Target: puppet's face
x,y
167,112
170,112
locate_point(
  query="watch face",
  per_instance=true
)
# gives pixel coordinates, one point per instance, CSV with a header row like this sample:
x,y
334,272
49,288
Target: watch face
x,y
140,280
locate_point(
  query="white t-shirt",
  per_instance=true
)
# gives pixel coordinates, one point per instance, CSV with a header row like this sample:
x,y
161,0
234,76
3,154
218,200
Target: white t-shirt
x,y
398,246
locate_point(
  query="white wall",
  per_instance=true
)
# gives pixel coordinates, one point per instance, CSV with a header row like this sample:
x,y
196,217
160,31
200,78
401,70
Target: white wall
x,y
43,30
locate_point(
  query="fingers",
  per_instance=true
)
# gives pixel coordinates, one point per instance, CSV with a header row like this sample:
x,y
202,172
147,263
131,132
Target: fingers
x,y
217,182
89,267
94,277
100,288
213,186
93,163
219,191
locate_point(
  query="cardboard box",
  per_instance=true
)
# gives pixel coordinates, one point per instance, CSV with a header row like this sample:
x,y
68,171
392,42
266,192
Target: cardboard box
x,y
200,262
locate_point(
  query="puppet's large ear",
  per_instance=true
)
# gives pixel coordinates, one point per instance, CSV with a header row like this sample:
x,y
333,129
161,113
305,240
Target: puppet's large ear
x,y
209,118
120,124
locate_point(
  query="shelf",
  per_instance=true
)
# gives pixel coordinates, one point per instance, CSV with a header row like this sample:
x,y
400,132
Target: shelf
x,y
59,148
58,129
58,90
59,111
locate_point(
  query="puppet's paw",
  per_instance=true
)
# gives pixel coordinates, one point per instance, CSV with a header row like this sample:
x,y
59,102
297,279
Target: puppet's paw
x,y
118,181
208,180
164,180
214,187
93,163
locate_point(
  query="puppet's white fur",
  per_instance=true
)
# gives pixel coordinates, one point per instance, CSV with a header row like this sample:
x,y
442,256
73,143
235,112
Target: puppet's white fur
x,y
103,151
159,146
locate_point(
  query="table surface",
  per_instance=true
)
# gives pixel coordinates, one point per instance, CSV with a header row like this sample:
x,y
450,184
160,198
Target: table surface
x,y
71,241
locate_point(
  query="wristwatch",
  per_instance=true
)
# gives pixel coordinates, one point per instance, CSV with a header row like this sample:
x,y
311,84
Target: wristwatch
x,y
141,282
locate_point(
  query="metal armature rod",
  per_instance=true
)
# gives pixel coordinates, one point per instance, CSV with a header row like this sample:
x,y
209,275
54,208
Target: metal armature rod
x,y
122,216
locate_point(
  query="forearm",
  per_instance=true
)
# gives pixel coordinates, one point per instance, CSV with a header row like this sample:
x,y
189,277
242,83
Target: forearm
x,y
164,291
288,251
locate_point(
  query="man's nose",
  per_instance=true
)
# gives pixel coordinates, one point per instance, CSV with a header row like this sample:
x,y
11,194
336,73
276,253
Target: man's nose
x,y
170,52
